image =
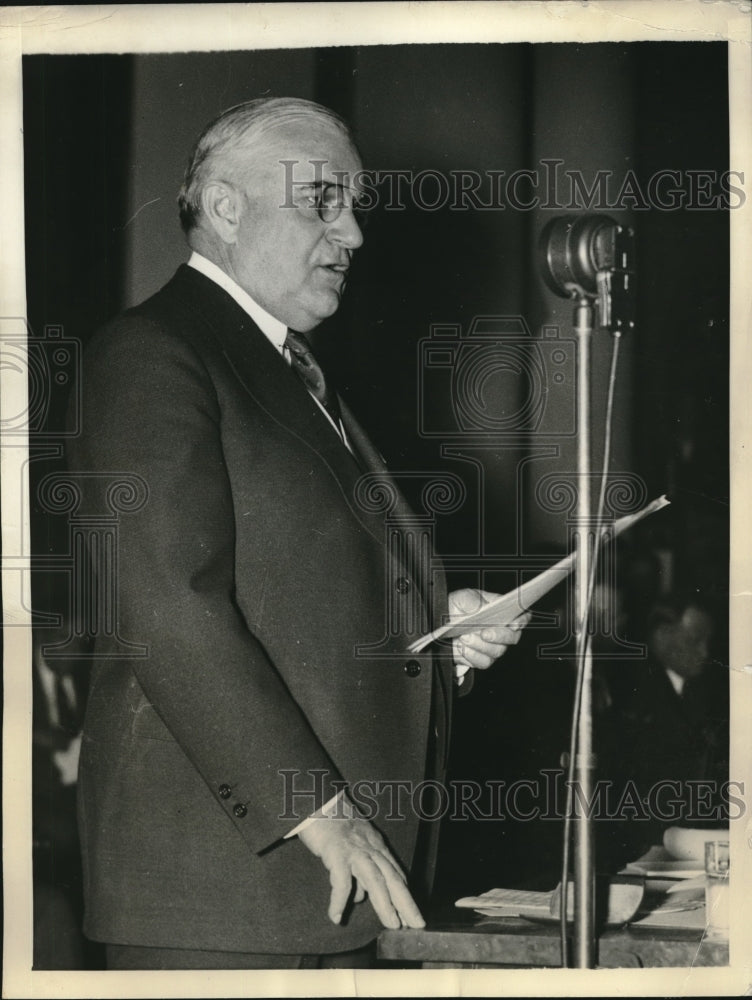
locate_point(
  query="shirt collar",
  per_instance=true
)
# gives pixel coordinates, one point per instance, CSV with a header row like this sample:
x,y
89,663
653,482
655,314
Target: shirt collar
x,y
272,328
677,681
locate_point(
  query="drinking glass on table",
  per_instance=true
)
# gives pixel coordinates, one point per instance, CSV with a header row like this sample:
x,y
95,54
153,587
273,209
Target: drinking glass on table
x,y
717,888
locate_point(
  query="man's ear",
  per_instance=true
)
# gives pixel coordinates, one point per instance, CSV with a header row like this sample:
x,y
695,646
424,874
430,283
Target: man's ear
x,y
221,205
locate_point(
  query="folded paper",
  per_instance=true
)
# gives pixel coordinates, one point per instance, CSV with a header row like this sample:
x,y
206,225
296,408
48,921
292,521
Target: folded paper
x,y
506,608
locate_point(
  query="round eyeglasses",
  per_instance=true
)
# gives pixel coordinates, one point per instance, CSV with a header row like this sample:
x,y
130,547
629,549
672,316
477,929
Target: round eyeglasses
x,y
327,201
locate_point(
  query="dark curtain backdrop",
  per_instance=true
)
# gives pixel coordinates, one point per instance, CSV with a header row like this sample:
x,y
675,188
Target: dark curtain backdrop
x,y
106,141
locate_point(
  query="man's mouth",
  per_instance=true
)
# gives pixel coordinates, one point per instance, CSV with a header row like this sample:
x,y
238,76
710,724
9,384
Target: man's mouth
x,y
338,272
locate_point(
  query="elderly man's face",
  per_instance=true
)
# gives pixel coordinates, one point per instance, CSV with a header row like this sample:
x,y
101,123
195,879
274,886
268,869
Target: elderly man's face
x,y
286,257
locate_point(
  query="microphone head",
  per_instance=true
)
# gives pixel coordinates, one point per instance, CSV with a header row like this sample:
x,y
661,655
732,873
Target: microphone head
x,y
573,249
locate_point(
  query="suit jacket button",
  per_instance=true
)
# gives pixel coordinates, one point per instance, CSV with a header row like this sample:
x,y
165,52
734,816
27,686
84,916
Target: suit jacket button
x,y
402,585
225,791
240,810
412,668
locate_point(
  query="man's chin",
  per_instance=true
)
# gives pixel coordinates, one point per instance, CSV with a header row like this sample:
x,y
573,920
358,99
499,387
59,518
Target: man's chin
x,y
324,307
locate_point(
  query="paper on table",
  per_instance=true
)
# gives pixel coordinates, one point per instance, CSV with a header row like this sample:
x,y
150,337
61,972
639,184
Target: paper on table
x,y
680,909
509,902
623,899
506,608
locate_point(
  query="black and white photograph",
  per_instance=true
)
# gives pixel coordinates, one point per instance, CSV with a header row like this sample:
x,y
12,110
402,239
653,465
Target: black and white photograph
x,y
375,447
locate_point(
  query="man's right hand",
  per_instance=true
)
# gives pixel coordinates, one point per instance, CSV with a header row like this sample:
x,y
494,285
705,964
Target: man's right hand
x,y
352,849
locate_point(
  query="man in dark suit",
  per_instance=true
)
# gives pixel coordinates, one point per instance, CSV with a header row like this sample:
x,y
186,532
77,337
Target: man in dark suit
x,y
219,769
668,726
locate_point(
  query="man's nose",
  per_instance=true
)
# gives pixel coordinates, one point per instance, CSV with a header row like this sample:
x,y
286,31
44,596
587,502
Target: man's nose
x,y
345,230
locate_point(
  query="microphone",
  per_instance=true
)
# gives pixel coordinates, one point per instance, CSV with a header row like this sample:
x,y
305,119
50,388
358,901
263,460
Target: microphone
x,y
591,257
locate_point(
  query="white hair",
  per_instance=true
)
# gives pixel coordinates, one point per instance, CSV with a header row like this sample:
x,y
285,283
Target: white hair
x,y
248,123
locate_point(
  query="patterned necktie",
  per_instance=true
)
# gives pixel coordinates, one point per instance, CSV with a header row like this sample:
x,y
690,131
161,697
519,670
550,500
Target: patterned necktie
x,y
311,375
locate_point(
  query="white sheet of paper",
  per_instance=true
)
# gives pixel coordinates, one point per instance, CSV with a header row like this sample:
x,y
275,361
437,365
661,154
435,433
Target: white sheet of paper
x,y
511,605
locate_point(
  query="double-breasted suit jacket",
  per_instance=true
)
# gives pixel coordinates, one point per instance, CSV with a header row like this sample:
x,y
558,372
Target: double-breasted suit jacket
x,y
255,579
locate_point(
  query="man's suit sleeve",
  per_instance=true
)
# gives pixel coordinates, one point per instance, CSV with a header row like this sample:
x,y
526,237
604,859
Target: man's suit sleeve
x,y
150,409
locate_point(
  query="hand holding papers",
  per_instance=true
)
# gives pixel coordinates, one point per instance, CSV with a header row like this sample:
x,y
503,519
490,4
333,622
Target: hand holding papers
x,y
480,648
506,608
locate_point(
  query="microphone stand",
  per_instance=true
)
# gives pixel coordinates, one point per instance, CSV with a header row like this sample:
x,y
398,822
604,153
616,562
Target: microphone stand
x,y
584,765
586,258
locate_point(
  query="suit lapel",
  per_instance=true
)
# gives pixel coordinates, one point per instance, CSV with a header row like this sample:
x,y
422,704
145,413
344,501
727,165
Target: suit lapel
x,y
429,579
264,373
372,462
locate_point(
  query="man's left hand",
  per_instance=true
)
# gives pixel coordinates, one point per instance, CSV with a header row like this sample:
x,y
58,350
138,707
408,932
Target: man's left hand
x,y
481,647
